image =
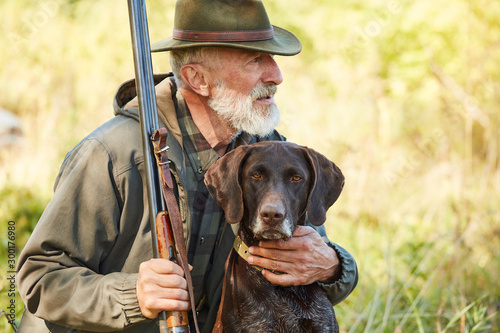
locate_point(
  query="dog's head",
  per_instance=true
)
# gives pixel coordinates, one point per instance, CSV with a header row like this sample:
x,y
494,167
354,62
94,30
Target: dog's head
x,y
269,186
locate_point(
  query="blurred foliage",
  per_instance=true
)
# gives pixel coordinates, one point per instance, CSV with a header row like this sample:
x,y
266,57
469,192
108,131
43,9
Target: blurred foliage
x,y
402,95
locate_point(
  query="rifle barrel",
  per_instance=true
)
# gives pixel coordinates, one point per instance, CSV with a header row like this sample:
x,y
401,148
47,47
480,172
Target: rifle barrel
x,y
148,116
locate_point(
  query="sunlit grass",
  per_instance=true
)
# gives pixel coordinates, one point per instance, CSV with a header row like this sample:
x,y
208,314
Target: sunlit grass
x,y
402,95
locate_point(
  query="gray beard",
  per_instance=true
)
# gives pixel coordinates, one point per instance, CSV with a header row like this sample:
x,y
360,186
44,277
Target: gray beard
x,y
241,113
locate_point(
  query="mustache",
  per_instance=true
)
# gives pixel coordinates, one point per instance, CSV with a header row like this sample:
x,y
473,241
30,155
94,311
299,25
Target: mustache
x,y
263,91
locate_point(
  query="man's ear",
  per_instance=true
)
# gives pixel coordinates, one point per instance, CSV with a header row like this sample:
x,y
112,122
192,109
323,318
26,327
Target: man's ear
x,y
195,76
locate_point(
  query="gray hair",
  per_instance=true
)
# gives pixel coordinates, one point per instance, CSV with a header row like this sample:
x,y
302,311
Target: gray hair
x,y
206,56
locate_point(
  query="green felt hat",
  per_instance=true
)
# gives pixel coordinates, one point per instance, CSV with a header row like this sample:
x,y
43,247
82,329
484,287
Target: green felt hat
x,y
241,24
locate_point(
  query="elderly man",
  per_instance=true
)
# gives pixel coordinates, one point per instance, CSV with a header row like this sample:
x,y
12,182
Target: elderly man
x,y
88,266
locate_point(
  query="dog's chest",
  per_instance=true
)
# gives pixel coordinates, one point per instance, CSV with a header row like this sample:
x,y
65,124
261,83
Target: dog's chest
x,y
261,307
289,311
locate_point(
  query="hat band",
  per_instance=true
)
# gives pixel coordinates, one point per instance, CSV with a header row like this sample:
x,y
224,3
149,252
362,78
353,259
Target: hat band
x,y
223,36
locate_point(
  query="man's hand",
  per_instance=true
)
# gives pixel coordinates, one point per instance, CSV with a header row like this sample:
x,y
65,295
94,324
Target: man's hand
x,y
304,259
161,286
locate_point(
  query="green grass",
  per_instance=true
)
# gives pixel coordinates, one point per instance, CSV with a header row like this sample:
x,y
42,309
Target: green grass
x,y
402,95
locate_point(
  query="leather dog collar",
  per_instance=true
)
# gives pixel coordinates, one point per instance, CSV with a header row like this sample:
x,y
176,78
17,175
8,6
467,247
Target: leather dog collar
x,y
242,249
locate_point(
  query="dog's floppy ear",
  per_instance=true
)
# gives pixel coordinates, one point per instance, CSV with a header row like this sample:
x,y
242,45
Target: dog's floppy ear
x,y
224,183
326,184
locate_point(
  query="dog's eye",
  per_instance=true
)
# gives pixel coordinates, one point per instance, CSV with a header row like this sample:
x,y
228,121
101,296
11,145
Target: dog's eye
x,y
296,178
256,175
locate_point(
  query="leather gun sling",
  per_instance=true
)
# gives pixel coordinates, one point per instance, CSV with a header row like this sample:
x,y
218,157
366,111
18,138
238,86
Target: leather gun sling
x,y
159,140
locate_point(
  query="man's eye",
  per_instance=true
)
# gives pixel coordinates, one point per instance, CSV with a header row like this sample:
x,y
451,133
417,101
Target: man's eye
x,y
256,175
256,59
296,178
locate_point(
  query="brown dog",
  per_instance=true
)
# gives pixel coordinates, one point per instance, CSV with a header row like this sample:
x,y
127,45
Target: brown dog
x,y
269,187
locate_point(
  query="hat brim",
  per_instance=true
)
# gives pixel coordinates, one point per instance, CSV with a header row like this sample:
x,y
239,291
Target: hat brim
x,y
283,43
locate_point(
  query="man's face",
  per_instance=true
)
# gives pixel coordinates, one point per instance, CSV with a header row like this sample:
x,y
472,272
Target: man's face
x,y
243,91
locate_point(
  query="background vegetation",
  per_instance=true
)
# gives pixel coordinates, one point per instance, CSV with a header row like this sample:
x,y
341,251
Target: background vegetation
x,y
402,95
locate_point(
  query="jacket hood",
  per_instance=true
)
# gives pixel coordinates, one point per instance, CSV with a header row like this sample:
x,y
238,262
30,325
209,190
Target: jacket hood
x,y
127,92
126,103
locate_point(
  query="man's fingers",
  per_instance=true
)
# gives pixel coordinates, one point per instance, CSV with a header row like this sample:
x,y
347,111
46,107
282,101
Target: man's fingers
x,y
162,273
269,264
304,258
173,294
262,253
150,308
161,286
163,280
303,230
295,273
163,266
285,280
153,299
293,243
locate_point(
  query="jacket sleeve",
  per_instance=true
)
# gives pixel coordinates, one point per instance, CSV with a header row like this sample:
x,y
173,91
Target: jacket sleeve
x,y
340,289
59,272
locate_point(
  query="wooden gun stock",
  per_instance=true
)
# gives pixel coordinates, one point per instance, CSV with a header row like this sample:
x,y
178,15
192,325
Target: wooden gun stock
x,y
177,321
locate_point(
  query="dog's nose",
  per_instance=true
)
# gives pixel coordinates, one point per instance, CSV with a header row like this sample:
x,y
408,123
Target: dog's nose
x,y
272,214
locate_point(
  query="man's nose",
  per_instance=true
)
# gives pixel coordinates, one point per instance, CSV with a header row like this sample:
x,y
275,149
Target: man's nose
x,y
272,72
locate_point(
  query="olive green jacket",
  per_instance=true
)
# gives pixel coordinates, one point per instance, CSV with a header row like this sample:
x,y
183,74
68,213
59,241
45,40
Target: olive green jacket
x,y
78,271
